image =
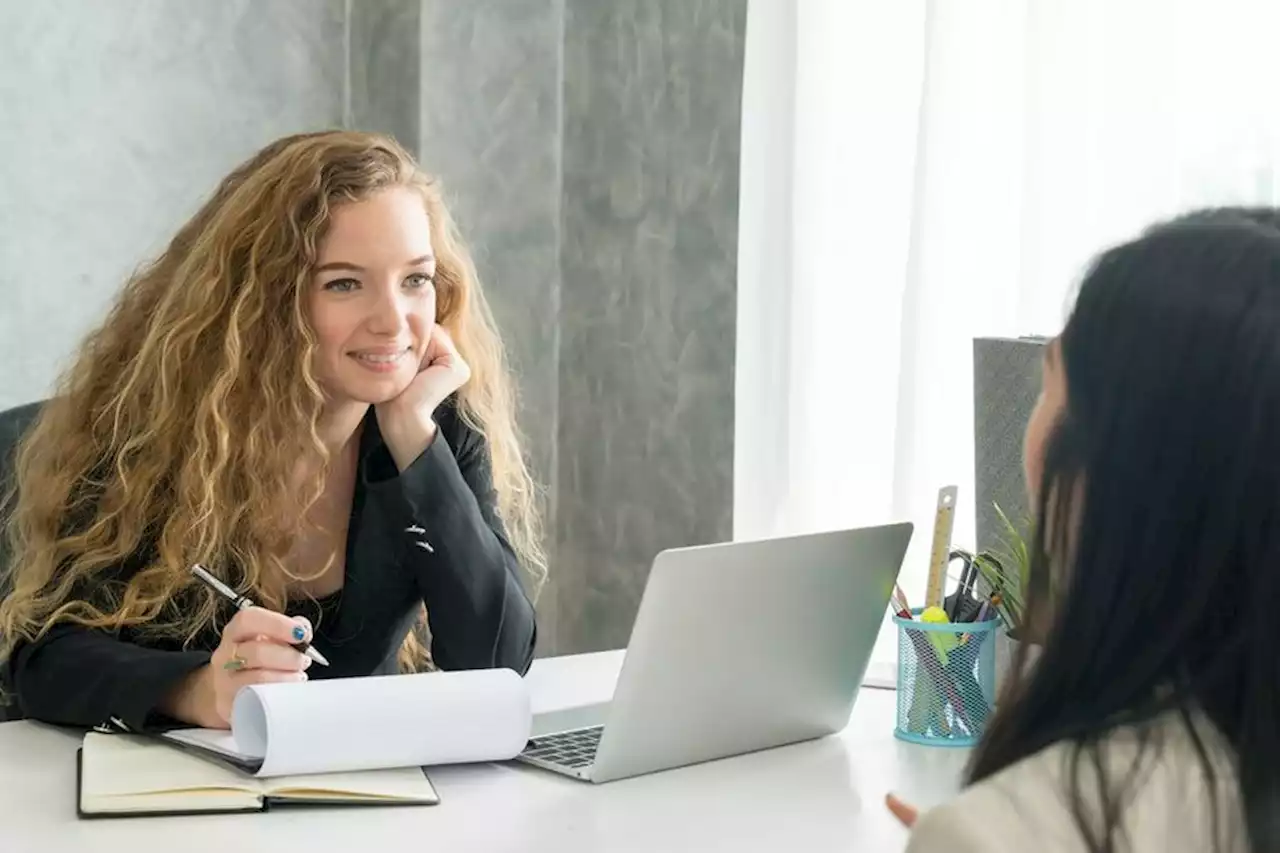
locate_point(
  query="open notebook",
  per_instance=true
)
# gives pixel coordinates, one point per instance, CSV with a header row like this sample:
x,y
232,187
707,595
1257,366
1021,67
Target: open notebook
x,y
129,776
337,740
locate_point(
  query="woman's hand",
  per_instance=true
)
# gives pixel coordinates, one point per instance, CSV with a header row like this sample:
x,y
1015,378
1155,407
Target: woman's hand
x,y
441,372
256,648
904,812
406,422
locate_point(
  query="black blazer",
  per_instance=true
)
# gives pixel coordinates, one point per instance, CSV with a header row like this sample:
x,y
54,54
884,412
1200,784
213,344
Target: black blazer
x,y
429,534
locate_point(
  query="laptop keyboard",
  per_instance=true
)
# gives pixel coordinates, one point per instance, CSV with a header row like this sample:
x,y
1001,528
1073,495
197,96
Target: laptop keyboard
x,y
575,748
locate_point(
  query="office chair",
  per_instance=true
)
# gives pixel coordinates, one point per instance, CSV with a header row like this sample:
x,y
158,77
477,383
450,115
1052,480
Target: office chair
x,y
14,423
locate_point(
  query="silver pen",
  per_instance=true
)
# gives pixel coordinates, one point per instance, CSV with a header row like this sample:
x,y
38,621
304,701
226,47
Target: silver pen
x,y
241,602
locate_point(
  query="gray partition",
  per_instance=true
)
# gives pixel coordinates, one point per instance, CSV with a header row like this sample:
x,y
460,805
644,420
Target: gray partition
x,y
648,259
1006,382
591,152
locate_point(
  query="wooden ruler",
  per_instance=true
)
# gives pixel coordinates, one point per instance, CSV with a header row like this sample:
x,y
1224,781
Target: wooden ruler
x,y
939,556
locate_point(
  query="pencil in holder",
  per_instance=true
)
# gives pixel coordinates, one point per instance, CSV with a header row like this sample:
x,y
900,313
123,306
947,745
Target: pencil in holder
x,y
946,680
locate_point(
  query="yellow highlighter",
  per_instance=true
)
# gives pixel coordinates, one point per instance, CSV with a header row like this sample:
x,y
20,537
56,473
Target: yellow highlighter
x,y
942,641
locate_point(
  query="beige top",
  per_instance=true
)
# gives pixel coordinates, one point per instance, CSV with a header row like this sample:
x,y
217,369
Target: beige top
x,y
1026,806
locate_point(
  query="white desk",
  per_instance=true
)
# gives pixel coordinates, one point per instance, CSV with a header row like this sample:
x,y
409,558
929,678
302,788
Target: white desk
x,y
823,795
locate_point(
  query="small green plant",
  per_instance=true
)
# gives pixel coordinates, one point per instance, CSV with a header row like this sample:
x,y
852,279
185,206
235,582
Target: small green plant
x,y
1007,570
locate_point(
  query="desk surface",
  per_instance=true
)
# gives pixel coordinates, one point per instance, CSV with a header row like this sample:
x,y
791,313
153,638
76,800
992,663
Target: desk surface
x,y
824,795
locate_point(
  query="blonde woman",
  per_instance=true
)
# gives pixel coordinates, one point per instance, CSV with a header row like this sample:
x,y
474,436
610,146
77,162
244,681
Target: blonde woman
x,y
306,394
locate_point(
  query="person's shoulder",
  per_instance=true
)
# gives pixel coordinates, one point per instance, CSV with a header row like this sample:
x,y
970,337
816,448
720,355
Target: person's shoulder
x,y
1019,808
1028,805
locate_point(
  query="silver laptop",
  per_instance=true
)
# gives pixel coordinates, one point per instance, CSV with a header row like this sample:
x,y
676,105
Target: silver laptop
x,y
738,647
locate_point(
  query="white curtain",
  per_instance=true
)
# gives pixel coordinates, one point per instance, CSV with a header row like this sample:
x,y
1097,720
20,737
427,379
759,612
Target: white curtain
x,y
916,174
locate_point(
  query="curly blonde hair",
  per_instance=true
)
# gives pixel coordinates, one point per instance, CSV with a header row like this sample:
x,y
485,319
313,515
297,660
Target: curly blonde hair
x,y
176,435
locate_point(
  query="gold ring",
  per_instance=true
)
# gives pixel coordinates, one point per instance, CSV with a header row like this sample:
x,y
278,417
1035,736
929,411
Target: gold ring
x,y
236,663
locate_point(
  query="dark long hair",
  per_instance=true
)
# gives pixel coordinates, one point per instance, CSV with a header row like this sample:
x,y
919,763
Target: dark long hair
x,y
1158,542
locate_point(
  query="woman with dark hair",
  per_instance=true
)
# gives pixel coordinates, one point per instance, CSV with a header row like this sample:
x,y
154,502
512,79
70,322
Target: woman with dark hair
x,y
1151,718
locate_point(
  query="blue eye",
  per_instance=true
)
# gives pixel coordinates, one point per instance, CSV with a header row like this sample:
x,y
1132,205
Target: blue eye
x,y
342,285
420,281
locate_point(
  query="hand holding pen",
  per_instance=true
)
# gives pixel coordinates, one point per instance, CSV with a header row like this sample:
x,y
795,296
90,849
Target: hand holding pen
x,y
258,646
301,633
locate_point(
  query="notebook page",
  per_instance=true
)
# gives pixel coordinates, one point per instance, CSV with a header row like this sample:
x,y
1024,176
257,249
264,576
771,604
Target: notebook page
x,y
398,784
117,765
346,724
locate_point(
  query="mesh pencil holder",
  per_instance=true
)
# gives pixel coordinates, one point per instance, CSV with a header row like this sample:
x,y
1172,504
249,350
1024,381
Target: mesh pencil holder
x,y
946,680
